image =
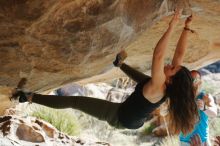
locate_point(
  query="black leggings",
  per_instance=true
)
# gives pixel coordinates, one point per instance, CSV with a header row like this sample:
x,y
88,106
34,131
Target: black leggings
x,y
101,109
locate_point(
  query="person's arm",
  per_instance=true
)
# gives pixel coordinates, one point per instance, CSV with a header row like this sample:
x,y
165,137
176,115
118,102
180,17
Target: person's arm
x,y
195,140
211,108
182,43
157,71
217,141
207,104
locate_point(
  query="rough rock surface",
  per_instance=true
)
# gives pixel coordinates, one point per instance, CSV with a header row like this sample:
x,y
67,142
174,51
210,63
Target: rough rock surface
x,y
54,42
29,131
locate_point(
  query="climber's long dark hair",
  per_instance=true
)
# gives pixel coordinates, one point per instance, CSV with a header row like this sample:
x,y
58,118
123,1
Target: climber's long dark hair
x,y
183,108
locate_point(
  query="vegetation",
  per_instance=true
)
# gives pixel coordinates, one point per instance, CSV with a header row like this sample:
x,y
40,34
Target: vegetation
x,y
209,88
214,127
63,120
170,141
148,128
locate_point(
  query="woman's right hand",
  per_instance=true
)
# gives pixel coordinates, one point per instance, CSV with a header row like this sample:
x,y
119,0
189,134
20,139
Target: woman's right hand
x,y
174,21
188,21
196,140
217,141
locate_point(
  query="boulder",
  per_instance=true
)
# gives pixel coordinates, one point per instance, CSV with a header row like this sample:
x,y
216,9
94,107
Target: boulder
x,y
29,131
56,42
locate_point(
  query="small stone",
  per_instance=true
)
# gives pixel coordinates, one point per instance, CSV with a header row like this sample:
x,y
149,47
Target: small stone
x,y
28,133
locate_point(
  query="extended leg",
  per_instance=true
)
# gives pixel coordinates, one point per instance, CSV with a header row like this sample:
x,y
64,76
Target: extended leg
x,y
101,109
133,74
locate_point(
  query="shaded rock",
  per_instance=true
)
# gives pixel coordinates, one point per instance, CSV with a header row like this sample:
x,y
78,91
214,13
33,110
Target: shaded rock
x,y
6,118
48,130
5,128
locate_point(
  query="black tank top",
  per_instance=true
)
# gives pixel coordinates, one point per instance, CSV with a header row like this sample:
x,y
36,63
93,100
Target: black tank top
x,y
134,111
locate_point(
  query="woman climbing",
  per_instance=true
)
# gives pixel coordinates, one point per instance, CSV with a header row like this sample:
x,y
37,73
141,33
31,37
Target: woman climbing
x,y
172,81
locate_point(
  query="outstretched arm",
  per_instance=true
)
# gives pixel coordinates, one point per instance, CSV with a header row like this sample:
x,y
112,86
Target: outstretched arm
x,y
182,43
154,90
157,71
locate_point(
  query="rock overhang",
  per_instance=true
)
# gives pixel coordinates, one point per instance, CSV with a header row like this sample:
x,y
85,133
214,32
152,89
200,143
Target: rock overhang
x,y
53,43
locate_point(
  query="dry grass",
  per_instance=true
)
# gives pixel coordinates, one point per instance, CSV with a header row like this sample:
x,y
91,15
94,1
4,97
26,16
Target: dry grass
x,y
170,141
63,120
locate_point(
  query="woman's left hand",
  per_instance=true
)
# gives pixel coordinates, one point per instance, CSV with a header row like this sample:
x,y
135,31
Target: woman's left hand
x,y
174,21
